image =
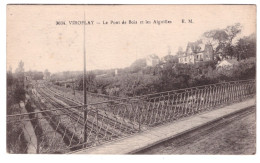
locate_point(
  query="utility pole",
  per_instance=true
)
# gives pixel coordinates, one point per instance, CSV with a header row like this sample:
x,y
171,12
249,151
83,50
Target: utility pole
x,y
84,91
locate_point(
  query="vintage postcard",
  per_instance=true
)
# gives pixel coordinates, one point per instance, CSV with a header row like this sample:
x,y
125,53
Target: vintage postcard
x,y
131,79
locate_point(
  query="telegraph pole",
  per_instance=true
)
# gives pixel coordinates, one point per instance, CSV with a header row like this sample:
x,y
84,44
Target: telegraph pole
x,y
84,91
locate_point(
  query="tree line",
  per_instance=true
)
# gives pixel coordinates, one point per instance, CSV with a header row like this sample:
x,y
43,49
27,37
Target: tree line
x,y
168,74
141,79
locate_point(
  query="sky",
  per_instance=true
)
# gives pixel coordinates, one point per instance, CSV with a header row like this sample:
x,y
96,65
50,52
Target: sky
x,y
34,37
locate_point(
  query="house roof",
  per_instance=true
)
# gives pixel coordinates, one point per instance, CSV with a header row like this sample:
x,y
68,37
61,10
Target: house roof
x,y
195,48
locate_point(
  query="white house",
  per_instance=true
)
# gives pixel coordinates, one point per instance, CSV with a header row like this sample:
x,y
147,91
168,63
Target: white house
x,y
227,63
152,60
192,55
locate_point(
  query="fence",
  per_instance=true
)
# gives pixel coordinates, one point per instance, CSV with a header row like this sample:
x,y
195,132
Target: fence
x,y
62,130
172,105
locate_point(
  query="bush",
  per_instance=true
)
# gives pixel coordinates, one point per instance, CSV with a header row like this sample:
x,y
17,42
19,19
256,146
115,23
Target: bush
x,y
246,69
19,94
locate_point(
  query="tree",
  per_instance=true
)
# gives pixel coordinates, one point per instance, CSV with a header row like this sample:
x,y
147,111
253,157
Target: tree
x,y
180,51
222,40
10,70
90,82
19,72
20,68
138,65
232,31
170,58
66,75
228,51
47,74
37,75
10,78
246,47
217,39
102,84
19,92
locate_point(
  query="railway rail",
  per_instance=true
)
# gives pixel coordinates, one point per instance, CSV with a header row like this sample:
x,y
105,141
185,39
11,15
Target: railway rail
x,y
112,119
188,139
107,128
101,112
109,117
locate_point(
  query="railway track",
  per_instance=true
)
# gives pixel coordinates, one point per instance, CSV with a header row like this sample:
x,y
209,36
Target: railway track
x,y
67,136
111,119
75,115
102,96
107,127
198,133
70,136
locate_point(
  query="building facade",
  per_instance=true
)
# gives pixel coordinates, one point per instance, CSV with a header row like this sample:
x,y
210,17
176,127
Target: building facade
x,y
194,53
152,60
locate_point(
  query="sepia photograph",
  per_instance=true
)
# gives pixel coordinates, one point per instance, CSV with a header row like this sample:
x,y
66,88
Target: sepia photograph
x,y
131,79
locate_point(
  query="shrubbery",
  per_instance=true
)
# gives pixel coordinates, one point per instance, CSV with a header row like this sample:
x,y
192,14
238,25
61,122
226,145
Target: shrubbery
x,y
19,94
170,76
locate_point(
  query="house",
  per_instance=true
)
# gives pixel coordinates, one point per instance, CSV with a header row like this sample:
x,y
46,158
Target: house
x,y
46,76
227,63
116,72
152,60
194,53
